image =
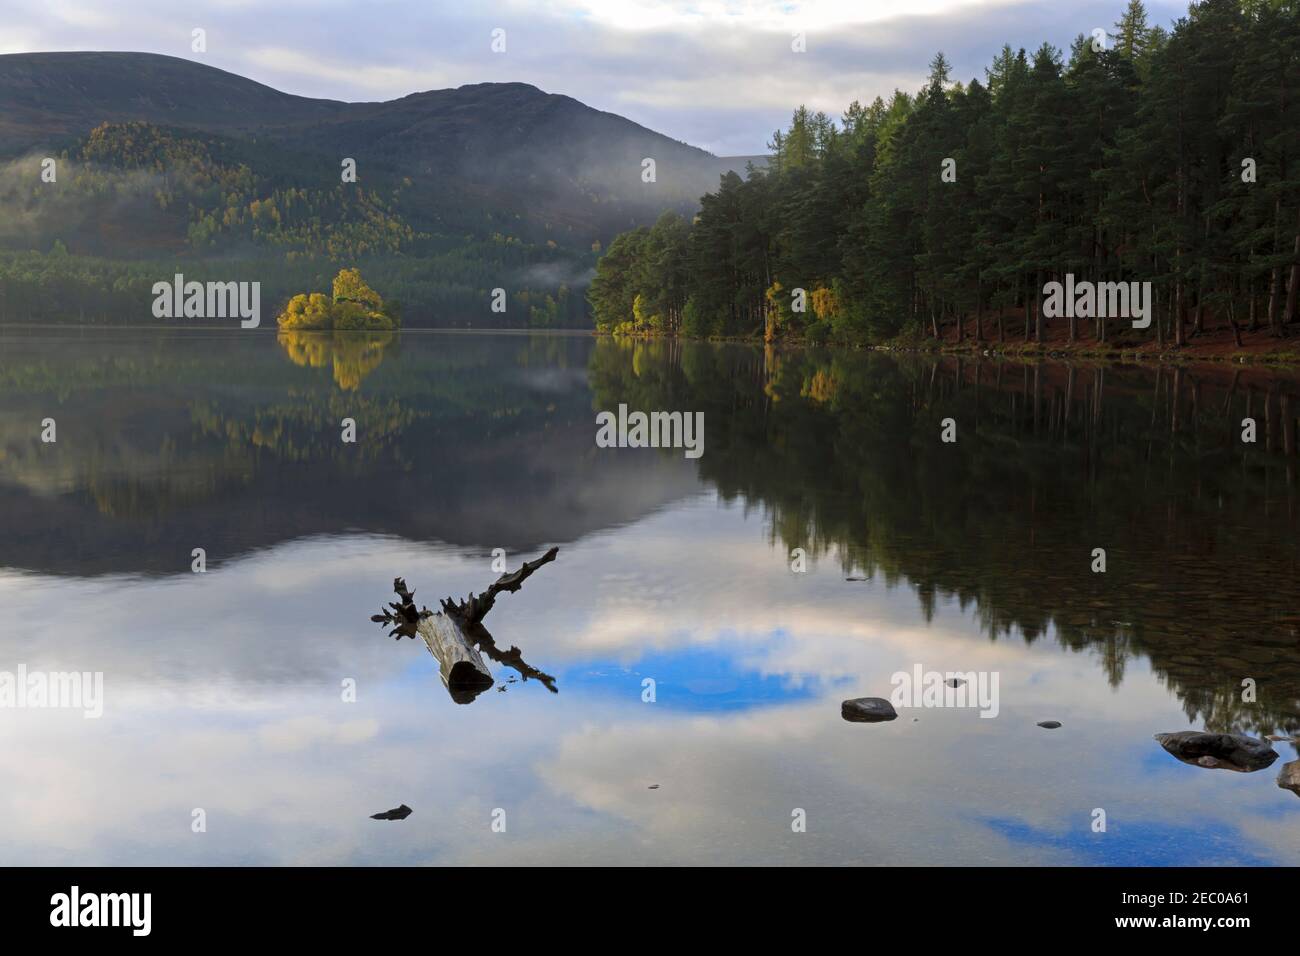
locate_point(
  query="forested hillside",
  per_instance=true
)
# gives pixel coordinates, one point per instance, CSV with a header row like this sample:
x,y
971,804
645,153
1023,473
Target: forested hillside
x,y
139,202
165,165
1168,156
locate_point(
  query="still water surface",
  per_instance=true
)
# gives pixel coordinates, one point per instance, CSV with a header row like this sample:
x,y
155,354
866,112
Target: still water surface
x,y
224,690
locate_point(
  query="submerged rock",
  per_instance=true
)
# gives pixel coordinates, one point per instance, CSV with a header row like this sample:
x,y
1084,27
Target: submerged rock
x,y
1049,724
1289,778
397,813
1219,751
867,710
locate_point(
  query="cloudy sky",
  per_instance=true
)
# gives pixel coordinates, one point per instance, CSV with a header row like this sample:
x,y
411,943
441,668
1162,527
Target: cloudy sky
x,y
715,73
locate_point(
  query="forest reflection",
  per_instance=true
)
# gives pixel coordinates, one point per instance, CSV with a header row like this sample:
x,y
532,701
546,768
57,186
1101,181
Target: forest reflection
x,y
1051,461
165,441
351,355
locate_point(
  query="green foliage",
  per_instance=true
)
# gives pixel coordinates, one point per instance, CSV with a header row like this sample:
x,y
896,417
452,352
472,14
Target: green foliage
x,y
137,200
225,202
613,292
1122,163
694,321
818,333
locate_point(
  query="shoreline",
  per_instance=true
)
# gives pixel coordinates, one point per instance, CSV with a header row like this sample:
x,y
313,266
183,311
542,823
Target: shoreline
x,y
1214,348
1208,347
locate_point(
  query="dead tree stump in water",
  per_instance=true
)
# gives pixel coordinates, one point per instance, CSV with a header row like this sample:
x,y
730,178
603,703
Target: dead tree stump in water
x,y
456,635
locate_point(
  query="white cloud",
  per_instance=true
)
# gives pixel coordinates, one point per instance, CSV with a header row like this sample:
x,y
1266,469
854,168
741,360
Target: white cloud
x,y
761,15
381,78
716,74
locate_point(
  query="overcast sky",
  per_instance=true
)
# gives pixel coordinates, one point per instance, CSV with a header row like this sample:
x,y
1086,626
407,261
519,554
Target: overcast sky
x,y
715,73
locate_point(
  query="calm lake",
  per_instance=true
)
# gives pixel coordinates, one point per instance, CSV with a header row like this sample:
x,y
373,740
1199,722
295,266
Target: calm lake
x,y
228,691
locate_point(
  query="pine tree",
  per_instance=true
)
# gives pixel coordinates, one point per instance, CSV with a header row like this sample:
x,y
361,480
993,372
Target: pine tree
x,y
1132,34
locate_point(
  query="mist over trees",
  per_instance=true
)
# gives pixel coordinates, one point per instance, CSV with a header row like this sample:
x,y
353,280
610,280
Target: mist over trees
x,y
1148,155
141,200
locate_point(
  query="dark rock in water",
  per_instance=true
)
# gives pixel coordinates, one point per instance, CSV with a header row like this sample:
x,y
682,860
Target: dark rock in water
x,y
1219,751
1289,778
1049,724
398,813
867,710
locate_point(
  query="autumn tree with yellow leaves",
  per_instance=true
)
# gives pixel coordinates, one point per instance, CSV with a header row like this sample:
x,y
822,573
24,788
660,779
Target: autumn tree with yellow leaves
x,y
352,306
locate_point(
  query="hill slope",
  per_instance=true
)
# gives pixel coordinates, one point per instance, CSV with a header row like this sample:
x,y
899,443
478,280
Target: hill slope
x,y
562,169
46,97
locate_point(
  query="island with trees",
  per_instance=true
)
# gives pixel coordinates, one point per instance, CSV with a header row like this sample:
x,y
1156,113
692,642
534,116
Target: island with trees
x,y
353,306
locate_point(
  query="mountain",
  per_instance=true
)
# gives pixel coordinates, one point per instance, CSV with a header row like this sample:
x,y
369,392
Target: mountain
x,y
166,165
475,156
48,97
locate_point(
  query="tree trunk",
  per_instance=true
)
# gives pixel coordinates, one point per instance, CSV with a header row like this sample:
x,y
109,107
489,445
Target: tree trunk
x,y
1178,305
1073,334
1274,299
459,663
456,635
1236,332
1275,277
1028,296
1295,276
1157,318
1038,307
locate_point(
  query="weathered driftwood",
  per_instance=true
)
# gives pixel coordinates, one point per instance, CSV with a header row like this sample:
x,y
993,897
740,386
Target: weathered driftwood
x,y
474,608
459,662
456,635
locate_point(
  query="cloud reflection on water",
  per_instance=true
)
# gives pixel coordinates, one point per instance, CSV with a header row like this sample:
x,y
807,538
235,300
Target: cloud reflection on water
x,y
222,692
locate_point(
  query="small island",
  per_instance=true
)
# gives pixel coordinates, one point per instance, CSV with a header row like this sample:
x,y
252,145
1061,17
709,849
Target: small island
x,y
354,306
